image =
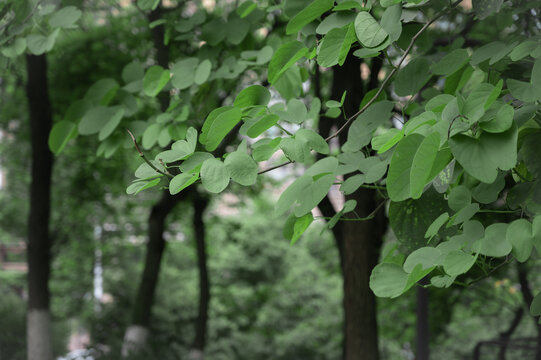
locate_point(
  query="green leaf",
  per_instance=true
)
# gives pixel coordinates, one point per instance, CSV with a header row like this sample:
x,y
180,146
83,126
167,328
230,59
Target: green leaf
x,y
289,196
335,46
361,130
220,127
252,96
246,8
486,52
264,151
351,184
237,29
214,175
494,243
410,219
295,149
451,63
522,50
148,4
391,23
263,124
155,79
98,117
39,44
436,226
313,139
139,186
133,71
312,195
242,168
65,17
210,120
112,124
459,198
421,172
519,234
181,182
399,176
150,136
524,91
286,55
427,257
308,14
336,20
102,92
387,140
301,224
480,100
388,280
457,262
412,77
184,73
464,214
202,72
488,193
214,31
482,157
500,120
194,162
15,49
60,134
369,32
535,306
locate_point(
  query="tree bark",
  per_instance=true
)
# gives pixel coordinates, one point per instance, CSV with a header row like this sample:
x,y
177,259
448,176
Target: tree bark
x,y
360,241
39,344
200,204
137,333
422,330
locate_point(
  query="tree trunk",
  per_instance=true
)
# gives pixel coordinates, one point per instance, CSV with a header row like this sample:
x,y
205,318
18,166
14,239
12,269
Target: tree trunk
x,y
137,333
360,240
39,344
198,346
527,295
423,331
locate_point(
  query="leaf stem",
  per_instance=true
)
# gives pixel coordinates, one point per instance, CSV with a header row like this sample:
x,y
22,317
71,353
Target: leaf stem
x,y
142,155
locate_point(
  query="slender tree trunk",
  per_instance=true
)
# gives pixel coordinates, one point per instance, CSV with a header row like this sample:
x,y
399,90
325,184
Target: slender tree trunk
x,y
39,344
527,295
423,331
200,204
137,333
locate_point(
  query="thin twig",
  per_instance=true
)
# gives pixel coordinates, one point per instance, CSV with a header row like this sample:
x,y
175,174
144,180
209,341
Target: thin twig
x,y
142,155
275,167
284,130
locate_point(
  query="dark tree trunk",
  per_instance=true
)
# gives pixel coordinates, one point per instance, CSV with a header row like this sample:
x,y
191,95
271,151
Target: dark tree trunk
x,y
527,295
423,330
137,332
362,242
199,205
39,243
359,242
